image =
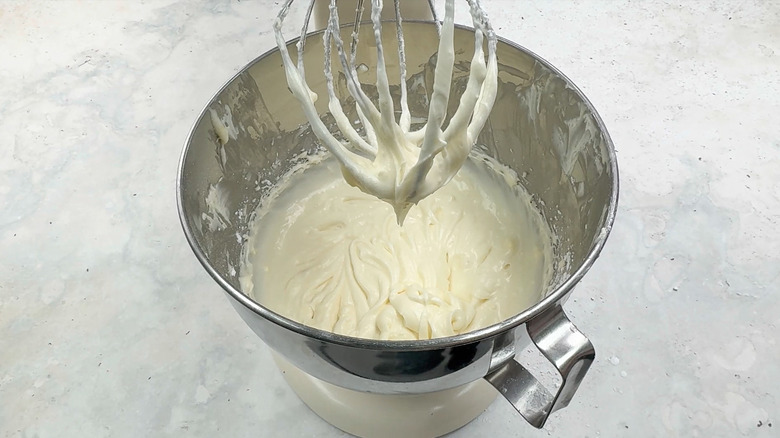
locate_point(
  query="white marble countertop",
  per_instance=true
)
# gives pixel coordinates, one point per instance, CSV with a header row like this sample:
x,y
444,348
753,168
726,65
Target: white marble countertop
x,y
110,327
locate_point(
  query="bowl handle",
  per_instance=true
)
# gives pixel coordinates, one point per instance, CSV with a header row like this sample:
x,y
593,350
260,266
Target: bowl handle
x,y
566,348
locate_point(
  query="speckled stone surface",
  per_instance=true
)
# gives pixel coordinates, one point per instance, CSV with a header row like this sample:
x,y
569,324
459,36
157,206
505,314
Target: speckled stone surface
x,y
110,327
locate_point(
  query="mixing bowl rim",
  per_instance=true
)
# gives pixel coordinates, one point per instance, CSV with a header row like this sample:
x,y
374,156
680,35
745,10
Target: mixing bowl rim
x,y
417,345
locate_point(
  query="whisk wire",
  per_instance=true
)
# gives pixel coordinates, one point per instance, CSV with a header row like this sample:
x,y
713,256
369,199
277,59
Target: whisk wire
x,y
380,160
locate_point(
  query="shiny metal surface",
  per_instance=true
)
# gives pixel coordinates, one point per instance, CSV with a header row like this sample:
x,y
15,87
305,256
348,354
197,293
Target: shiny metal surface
x,y
541,125
566,348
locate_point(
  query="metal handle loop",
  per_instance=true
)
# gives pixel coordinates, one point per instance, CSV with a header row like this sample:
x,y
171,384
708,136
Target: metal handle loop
x,y
566,348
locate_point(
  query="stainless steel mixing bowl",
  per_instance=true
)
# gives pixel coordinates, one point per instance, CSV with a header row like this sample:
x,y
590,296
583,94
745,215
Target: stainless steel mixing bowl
x,y
541,126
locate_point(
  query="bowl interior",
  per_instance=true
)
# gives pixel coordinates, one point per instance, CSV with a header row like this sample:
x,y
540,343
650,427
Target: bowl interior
x,y
253,131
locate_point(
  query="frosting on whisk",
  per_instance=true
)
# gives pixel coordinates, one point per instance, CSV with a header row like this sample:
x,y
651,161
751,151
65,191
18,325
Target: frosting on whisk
x,y
390,160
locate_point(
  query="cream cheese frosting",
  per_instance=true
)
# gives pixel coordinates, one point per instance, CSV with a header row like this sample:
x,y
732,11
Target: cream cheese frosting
x,y
328,249
330,256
